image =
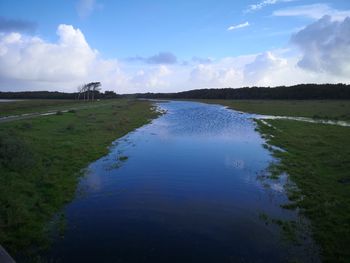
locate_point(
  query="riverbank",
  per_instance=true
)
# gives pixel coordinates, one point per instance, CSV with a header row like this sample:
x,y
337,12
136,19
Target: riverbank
x,y
317,109
317,159
41,159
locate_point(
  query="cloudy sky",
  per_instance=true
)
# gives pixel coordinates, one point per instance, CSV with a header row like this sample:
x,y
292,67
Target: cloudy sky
x,y
161,46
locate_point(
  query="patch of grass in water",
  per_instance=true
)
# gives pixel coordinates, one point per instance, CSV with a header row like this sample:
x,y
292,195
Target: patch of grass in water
x,y
290,229
123,158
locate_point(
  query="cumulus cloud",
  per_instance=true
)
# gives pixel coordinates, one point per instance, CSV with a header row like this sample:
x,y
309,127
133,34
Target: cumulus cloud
x,y
325,45
258,72
150,78
234,27
215,75
16,25
32,58
29,62
32,63
314,11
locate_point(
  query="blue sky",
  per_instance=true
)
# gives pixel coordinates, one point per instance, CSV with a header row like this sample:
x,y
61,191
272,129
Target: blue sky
x,y
152,45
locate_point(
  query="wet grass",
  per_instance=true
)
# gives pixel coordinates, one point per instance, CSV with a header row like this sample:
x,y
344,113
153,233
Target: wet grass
x,y
317,159
318,109
41,160
290,229
123,158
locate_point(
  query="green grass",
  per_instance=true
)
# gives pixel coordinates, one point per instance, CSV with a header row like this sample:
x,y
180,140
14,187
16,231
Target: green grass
x,y
33,106
322,109
123,158
41,160
318,161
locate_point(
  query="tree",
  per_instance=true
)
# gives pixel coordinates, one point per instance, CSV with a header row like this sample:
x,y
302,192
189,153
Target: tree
x,y
95,86
85,89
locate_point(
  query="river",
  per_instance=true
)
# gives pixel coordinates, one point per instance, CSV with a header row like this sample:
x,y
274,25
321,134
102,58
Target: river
x,y
184,188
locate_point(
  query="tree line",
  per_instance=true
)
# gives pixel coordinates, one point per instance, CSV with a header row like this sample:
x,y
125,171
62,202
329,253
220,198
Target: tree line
x,y
85,92
296,92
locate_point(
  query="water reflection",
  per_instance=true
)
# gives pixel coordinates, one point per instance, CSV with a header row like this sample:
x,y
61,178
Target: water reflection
x,y
187,193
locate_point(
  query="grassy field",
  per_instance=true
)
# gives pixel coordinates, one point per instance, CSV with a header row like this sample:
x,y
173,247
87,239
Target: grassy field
x,y
322,109
317,159
32,106
41,160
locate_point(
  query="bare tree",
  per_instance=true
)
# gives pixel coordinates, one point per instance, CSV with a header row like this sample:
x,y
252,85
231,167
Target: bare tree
x,y
80,90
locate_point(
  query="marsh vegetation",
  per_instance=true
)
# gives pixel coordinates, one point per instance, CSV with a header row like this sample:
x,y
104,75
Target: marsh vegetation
x,y
317,159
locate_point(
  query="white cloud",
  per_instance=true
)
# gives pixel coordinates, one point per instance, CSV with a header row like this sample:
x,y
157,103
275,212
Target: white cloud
x,y
32,58
150,78
28,62
314,11
326,46
31,63
238,26
260,5
258,72
211,76
41,64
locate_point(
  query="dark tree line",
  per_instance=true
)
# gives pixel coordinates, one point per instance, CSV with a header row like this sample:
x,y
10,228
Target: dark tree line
x,y
297,92
56,95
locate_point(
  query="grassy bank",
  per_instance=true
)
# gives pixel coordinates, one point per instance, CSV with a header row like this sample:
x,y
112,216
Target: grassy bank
x,y
317,159
40,160
42,106
322,109
32,106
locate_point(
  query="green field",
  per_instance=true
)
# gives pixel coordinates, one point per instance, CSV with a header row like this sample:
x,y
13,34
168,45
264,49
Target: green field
x,y
33,106
322,109
317,159
41,160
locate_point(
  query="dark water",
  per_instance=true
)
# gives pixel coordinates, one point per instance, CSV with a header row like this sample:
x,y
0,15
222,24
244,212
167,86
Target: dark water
x,y
188,192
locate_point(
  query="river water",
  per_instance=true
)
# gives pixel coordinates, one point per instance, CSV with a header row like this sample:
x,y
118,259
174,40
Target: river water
x,y
188,191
